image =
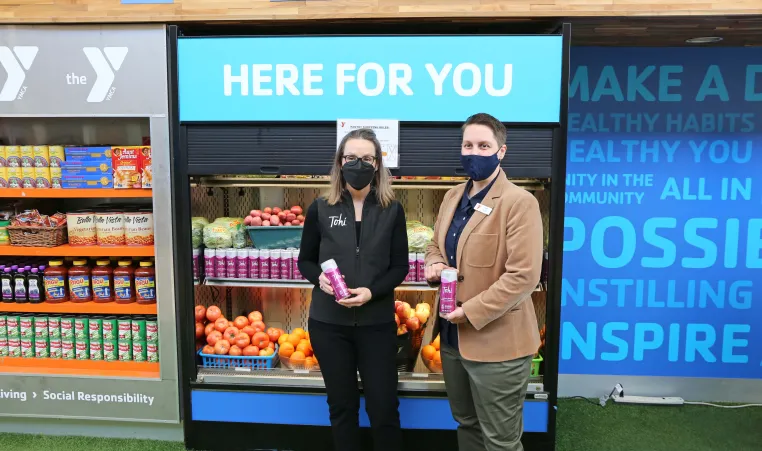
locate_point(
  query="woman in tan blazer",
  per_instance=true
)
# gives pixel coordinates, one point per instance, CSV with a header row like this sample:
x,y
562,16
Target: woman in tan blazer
x,y
490,230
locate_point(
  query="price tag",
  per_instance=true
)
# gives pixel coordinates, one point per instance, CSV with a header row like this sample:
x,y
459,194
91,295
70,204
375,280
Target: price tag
x,y
301,372
421,375
243,370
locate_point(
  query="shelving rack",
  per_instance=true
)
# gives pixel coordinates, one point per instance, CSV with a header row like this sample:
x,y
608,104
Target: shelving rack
x,y
228,168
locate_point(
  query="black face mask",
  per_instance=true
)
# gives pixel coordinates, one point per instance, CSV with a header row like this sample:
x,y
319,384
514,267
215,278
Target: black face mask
x,y
358,173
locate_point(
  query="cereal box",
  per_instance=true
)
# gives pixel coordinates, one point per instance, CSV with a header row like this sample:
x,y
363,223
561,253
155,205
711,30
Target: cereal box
x,y
126,163
3,177
13,156
41,156
14,177
55,177
56,156
42,177
146,169
27,156
28,178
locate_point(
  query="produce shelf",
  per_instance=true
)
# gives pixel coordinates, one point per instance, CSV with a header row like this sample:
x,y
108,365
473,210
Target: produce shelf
x,y
50,193
93,308
79,251
97,368
276,283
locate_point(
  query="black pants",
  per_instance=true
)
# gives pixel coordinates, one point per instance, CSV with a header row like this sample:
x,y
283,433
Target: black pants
x,y
342,351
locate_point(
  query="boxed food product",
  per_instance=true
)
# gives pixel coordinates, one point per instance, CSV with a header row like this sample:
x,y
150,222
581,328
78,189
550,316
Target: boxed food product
x,y
79,153
3,177
3,162
56,156
14,177
41,156
146,169
27,177
85,167
42,177
88,181
55,177
27,156
13,156
126,164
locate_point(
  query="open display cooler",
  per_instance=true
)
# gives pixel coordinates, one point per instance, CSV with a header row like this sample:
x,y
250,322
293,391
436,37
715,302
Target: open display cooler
x,y
226,169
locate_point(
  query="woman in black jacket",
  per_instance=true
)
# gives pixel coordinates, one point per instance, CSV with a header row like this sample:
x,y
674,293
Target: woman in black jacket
x,y
360,225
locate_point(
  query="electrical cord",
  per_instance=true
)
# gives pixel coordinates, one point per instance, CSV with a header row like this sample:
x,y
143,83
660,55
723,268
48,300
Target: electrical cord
x,y
740,406
584,399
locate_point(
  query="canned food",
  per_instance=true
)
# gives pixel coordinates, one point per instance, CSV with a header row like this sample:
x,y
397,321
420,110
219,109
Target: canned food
x,y
109,350
139,353
41,348
110,228
3,346
67,327
27,348
54,327
124,351
82,349
3,325
96,349
81,228
13,326
152,330
81,328
26,326
138,228
96,329
55,348
67,349
109,328
138,329
41,327
124,329
152,352
14,347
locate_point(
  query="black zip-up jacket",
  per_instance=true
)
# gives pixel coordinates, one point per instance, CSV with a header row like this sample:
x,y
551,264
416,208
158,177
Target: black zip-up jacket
x,y
377,262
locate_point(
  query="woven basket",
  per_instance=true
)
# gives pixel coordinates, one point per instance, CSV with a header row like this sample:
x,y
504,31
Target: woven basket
x,y
37,236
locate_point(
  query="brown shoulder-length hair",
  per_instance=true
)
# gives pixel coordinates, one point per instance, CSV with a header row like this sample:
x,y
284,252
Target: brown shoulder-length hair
x,y
382,182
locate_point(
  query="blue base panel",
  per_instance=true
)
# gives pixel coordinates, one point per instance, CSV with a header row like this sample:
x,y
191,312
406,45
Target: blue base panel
x,y
312,410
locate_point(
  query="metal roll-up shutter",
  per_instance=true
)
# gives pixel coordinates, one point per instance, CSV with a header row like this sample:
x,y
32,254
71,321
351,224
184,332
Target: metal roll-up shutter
x,y
289,148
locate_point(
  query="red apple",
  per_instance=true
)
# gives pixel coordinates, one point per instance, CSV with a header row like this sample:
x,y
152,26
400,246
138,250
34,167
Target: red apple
x,y
422,315
268,210
277,210
266,223
282,215
413,324
297,210
295,222
290,217
256,221
266,216
300,218
404,312
255,213
274,220
397,319
247,220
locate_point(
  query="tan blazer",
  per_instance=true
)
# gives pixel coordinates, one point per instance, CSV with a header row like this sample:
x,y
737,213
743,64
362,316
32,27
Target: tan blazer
x,y
499,259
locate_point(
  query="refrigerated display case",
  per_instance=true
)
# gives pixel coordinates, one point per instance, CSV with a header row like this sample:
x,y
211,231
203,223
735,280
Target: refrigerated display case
x,y
225,168
77,88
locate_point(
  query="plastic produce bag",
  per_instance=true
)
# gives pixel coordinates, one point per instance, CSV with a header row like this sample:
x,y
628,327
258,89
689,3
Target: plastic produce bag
x,y
197,231
418,236
225,233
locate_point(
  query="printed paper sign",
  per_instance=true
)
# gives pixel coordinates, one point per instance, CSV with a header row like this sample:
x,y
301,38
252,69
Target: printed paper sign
x,y
387,132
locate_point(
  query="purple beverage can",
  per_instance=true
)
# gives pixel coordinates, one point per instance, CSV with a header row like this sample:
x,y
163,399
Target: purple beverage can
x,y
412,271
253,255
447,289
275,263
331,270
295,265
420,261
210,270
242,263
221,268
230,264
196,255
286,265
264,264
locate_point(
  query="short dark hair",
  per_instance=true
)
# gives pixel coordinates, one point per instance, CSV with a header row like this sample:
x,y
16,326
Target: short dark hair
x,y
491,122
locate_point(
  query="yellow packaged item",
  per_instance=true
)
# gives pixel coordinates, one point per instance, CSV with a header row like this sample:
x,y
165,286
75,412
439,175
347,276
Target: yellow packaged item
x,y
3,163
42,177
14,177
56,156
13,156
55,177
27,178
27,156
3,177
41,157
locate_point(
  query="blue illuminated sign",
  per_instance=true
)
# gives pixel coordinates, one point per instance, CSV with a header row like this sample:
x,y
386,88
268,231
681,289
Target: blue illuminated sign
x,y
663,227
424,78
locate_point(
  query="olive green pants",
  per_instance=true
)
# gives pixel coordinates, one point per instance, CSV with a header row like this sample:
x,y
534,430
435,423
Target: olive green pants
x,y
487,401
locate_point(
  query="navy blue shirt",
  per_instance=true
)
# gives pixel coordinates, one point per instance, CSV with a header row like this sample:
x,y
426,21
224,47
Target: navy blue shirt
x,y
464,211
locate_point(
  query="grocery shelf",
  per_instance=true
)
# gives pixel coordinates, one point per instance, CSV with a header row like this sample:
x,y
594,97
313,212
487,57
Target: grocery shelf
x,y
95,368
93,308
97,193
79,251
280,283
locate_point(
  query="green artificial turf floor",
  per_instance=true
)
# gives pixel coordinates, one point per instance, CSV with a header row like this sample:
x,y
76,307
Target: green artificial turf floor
x,y
581,427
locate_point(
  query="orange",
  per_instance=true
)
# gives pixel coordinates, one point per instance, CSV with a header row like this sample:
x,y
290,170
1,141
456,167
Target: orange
x,y
307,335
309,363
300,332
282,339
286,350
304,347
428,352
435,343
294,339
298,358
438,358
315,360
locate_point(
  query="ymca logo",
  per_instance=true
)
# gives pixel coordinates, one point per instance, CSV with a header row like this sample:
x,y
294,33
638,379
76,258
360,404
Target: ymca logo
x,y
104,67
15,66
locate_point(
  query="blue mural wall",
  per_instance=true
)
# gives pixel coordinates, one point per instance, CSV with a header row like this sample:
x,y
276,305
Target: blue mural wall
x,y
663,226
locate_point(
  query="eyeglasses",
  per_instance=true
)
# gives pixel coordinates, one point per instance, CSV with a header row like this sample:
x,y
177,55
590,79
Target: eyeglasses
x,y
367,159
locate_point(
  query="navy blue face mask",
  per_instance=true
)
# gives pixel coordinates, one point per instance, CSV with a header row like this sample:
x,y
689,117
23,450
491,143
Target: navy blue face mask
x,y
479,167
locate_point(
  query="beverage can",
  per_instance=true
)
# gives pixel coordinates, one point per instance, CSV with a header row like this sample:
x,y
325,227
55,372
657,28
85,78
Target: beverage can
x,y
14,347
412,271
124,350
68,351
67,327
220,267
264,264
95,329
41,327
55,348
3,325
109,350
230,264
196,254
209,261
253,255
12,325
139,353
26,326
3,346
295,265
152,352
447,289
82,349
138,329
331,270
96,349
27,348
420,261
81,328
124,328
152,330
286,265
41,348
54,327
109,328
242,263
275,264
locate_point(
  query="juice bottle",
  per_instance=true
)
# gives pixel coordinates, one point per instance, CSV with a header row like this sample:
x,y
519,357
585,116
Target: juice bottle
x,y
331,270
6,279
20,287
79,282
124,284
34,286
54,280
103,284
145,283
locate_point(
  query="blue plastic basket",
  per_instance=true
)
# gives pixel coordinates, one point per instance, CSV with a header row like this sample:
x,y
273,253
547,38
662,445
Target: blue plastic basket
x,y
269,237
226,361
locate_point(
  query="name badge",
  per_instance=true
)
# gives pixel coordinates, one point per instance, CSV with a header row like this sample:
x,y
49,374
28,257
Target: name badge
x,y
483,209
